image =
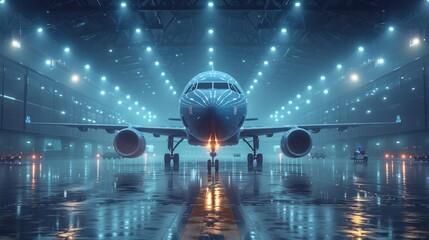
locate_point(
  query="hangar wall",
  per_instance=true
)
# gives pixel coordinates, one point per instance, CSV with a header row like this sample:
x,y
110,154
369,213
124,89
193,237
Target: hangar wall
x,y
30,96
403,91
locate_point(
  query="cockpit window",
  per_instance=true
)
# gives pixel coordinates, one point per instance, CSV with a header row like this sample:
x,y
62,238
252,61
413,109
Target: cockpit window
x,y
217,85
205,85
234,88
191,88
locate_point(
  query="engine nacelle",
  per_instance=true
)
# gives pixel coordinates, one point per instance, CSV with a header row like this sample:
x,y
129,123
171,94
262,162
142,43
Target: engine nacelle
x,y
129,143
296,143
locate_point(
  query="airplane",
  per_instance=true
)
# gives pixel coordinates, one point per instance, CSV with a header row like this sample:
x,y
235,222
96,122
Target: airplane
x,y
213,108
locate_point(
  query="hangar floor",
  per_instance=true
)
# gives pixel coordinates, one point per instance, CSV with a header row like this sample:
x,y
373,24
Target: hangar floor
x,y
286,199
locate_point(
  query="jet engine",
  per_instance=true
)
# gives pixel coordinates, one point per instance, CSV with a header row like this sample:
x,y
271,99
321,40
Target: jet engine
x,y
296,143
129,143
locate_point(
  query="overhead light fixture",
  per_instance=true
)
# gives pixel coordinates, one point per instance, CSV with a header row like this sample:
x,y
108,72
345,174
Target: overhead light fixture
x,y
354,77
156,63
2,1
103,78
211,31
273,49
167,81
297,4
415,41
325,91
75,78
16,43
103,92
259,73
211,49
360,49
116,88
163,74
149,49
128,96
283,30
211,63
255,80
380,61
40,30
123,4
265,62
309,87
48,62
339,66
323,78
391,28
210,4
138,30
110,50
87,66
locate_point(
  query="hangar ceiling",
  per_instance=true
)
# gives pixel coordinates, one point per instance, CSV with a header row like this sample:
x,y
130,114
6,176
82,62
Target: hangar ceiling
x,y
306,38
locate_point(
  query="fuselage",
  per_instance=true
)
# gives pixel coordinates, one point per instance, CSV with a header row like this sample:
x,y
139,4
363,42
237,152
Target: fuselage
x,y
213,109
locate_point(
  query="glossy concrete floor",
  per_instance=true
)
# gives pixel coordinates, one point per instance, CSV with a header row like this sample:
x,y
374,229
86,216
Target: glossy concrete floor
x,y
140,198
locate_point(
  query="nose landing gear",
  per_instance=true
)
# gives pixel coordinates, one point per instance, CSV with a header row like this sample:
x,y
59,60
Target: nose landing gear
x,y
254,145
213,163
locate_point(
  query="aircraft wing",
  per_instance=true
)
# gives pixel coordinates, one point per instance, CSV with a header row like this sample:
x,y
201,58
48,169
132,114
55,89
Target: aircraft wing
x,y
315,128
111,128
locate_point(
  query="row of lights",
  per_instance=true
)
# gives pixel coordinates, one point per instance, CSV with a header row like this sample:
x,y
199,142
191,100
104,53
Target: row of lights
x,y
75,78
354,77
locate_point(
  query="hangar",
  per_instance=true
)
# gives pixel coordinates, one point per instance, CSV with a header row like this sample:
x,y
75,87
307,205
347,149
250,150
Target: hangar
x,y
98,99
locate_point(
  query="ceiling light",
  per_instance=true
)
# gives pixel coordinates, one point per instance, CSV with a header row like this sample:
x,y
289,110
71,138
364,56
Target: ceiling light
x,y
149,49
110,50
163,74
354,77
211,49
414,41
211,63
211,31
66,49
283,30
248,92
298,96
380,61
308,101
156,63
391,29
103,78
290,102
255,80
323,78
360,49
210,4
136,103
309,87
265,62
260,73
174,94
16,44
75,78
48,62
123,4
39,30
102,92
138,30
297,4
273,49
116,88
2,1
87,67
339,66
167,81
171,87
251,86
325,91
128,96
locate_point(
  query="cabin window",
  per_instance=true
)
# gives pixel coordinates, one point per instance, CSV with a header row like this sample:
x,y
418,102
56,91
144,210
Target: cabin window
x,y
205,85
234,88
191,88
217,85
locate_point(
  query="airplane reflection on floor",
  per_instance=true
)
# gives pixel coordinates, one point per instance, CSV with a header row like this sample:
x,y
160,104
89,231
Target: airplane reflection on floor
x,y
143,199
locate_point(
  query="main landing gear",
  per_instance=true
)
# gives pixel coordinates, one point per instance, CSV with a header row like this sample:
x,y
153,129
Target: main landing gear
x,y
254,145
172,156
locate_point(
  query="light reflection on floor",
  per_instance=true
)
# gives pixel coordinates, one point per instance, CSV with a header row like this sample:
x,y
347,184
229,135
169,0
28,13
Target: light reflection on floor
x,y
143,199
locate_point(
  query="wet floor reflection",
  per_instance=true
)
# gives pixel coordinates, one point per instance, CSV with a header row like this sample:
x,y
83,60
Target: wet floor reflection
x,y
284,199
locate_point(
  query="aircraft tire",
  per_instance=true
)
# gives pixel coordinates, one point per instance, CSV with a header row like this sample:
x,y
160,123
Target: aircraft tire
x,y
209,165
217,165
176,158
167,159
